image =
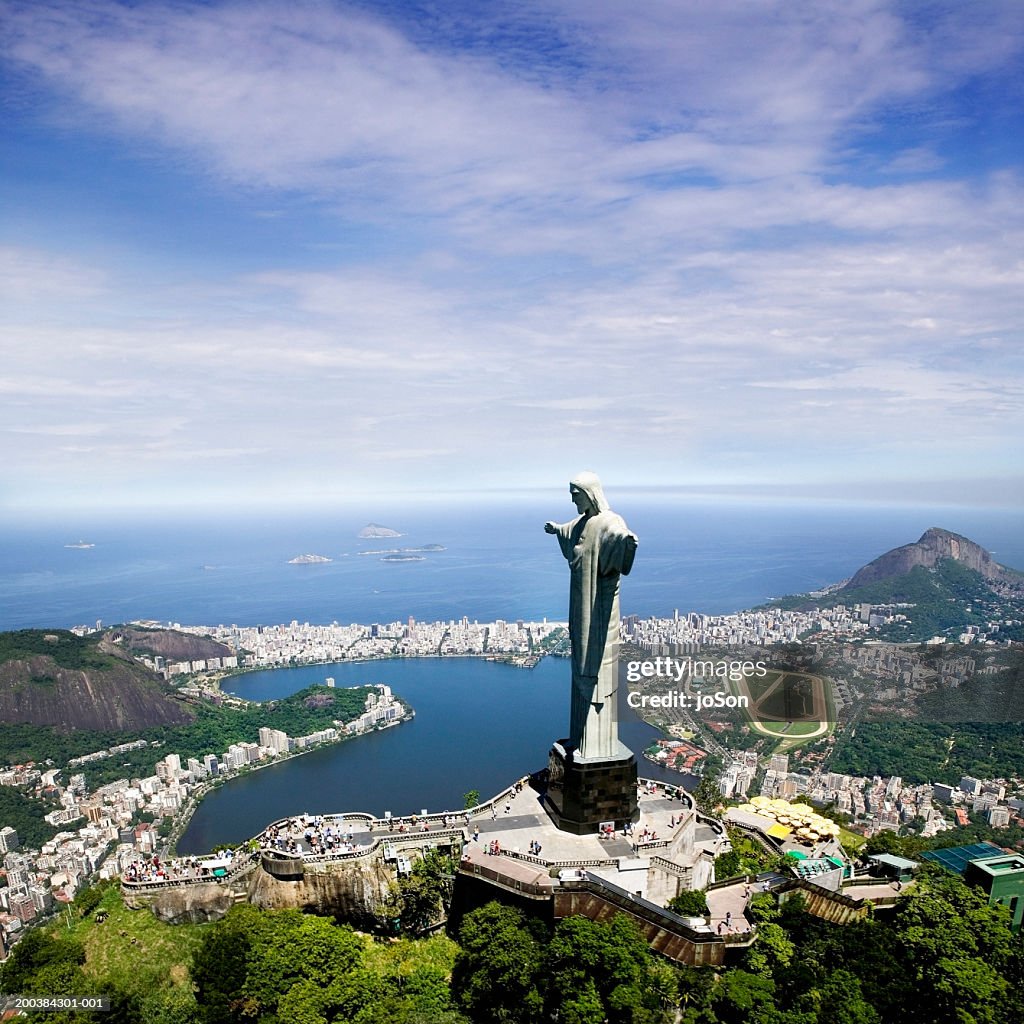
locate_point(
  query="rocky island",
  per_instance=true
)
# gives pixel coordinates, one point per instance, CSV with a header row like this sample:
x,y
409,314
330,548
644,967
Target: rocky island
x,y
374,531
308,560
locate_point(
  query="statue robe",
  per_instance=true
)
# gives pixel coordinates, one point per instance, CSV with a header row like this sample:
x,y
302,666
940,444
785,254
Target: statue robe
x,y
599,548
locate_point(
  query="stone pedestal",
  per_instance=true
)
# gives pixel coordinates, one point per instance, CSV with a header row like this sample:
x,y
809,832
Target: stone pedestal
x,y
584,793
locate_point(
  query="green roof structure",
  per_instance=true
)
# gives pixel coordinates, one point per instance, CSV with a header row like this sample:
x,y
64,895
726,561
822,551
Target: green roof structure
x,y
999,873
956,858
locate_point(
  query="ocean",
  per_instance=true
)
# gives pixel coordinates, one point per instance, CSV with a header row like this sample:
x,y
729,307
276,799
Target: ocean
x,y
708,556
712,557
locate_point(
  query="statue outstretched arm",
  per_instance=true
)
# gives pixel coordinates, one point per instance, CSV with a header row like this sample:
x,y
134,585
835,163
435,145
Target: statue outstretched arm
x,y
563,531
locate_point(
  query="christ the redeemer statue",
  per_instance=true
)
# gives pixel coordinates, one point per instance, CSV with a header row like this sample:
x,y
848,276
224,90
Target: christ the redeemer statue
x,y
599,548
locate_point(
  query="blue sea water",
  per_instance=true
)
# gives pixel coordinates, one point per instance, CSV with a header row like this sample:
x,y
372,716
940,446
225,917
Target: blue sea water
x,y
497,562
479,725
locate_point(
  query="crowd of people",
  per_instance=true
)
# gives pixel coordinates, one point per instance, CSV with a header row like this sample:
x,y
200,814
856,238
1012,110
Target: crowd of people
x,y
313,834
182,868
332,835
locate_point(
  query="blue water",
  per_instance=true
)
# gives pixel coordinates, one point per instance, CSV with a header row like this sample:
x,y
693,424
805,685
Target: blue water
x,y
693,555
479,725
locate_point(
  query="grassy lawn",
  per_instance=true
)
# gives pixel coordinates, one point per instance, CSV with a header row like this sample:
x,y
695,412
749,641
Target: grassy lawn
x,y
850,840
759,685
134,950
802,728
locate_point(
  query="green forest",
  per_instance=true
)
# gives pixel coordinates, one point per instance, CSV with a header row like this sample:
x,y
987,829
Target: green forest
x,y
922,752
942,957
67,649
25,816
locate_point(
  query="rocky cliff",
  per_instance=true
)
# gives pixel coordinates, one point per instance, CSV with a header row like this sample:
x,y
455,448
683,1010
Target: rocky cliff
x,y
168,643
69,683
350,890
188,904
935,544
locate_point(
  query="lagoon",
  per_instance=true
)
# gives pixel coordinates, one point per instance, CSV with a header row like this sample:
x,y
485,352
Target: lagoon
x,y
479,725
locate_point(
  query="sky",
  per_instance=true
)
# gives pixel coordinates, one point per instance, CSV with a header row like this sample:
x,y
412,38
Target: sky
x,y
298,253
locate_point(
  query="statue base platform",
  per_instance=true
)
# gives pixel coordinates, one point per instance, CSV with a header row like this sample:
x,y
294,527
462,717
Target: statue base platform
x,y
585,793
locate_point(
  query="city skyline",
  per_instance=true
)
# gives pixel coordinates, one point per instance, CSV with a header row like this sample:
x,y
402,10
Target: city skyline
x,y
307,253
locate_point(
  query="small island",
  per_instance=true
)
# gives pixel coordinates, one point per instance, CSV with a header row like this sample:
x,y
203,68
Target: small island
x,y
308,560
399,556
82,544
404,551
374,531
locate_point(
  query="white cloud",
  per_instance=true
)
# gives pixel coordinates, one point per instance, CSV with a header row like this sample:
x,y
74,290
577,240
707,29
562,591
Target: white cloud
x,y
33,275
648,225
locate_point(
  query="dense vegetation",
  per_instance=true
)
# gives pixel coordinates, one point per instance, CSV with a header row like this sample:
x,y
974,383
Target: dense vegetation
x,y
420,898
510,969
931,751
213,731
25,815
67,649
292,968
278,966
943,957
947,598
747,857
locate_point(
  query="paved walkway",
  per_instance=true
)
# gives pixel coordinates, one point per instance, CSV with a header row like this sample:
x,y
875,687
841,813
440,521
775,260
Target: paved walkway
x,y
621,859
876,892
524,819
515,824
727,906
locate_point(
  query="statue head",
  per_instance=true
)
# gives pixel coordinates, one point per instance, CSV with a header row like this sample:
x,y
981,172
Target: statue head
x,y
589,485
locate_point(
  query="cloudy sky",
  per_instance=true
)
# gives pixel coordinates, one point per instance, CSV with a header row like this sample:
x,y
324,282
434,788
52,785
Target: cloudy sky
x,y
295,252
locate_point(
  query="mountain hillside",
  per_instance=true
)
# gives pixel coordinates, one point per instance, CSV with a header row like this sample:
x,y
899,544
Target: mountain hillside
x,y
939,586
934,546
57,679
168,643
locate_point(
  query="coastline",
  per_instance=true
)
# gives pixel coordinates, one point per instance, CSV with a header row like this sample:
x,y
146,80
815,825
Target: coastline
x,y
515,660
180,821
